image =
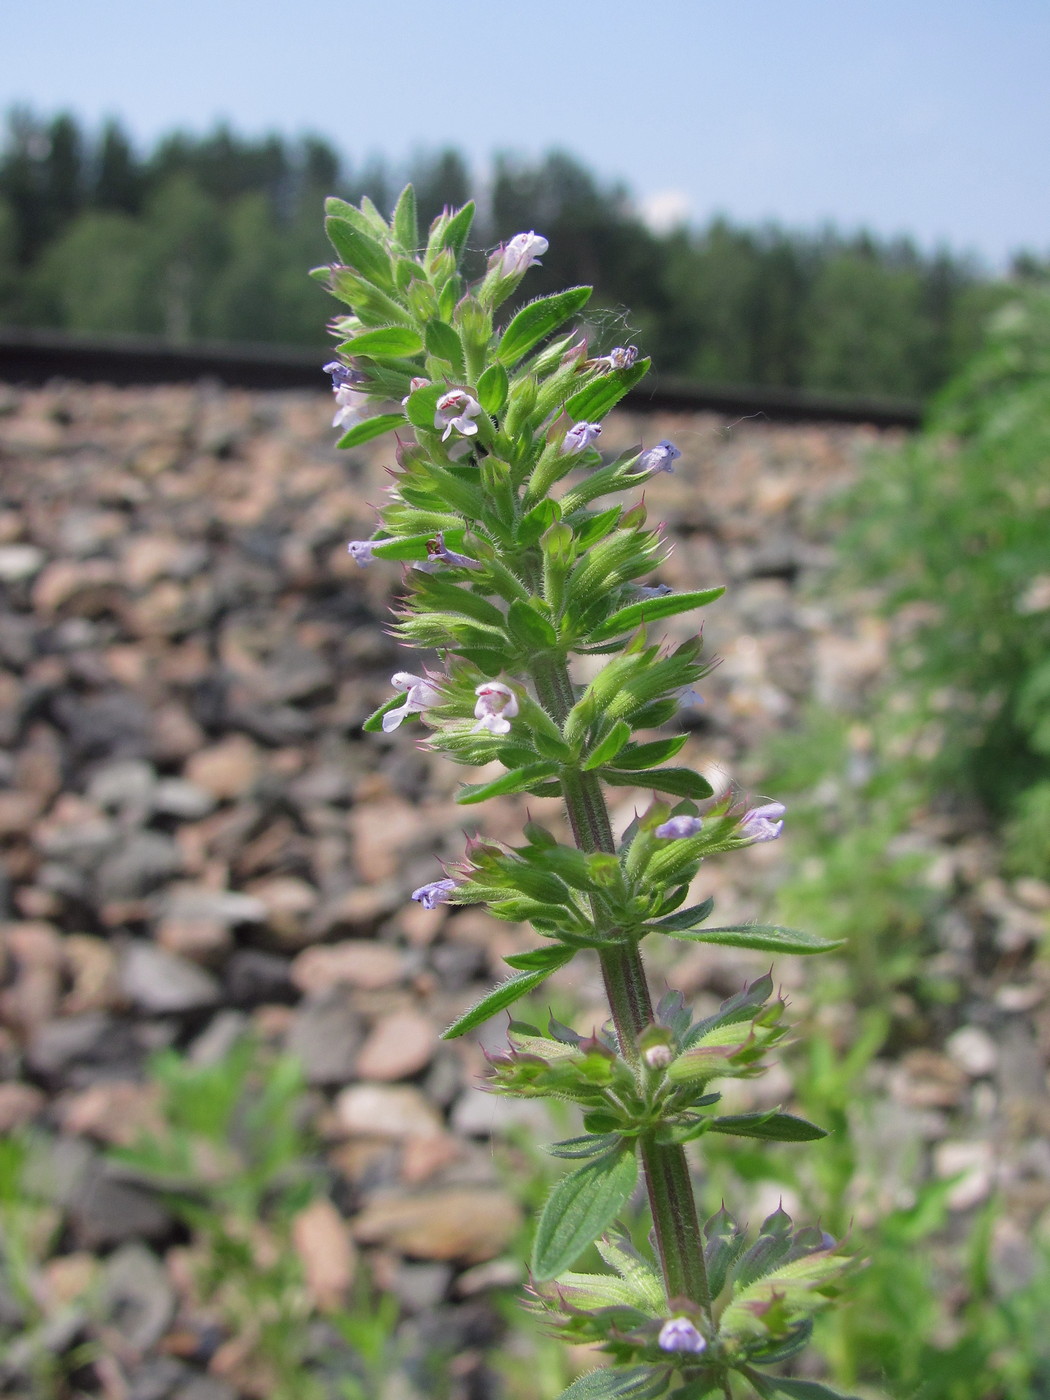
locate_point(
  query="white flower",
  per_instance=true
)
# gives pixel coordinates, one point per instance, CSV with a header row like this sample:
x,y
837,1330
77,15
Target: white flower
x,y
496,707
351,404
419,695
579,436
456,409
762,823
521,252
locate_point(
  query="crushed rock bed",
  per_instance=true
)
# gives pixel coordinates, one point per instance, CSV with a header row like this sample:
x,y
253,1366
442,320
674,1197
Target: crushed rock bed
x,y
198,840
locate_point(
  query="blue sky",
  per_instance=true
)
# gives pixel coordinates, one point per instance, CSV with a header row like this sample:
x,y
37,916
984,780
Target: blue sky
x,y
927,118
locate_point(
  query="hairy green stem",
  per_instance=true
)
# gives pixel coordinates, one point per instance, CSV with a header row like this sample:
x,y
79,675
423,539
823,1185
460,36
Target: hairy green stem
x,y
678,1237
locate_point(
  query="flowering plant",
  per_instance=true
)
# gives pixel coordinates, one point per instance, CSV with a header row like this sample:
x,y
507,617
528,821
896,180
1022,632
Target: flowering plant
x,y
511,573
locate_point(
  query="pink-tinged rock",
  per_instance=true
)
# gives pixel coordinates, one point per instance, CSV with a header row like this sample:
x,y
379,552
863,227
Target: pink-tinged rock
x,y
398,1046
19,1105
356,963
117,1112
227,770
18,811
92,964
289,902
327,1253
385,1110
466,1224
68,579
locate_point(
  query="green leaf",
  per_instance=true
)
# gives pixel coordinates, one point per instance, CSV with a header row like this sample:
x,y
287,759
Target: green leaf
x,y
685,918
538,520
517,780
650,610
442,341
493,387
529,629
405,223
422,405
771,1127
458,230
374,723
359,250
616,1383
370,428
580,1207
649,755
397,341
769,1387
765,938
682,782
536,959
537,320
594,402
590,1145
506,994
608,748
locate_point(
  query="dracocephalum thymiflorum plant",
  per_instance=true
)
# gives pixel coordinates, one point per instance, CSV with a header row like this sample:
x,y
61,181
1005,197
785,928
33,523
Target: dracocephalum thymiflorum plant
x,y
520,555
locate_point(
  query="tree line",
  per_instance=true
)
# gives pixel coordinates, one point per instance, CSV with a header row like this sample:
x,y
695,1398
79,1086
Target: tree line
x,y
209,238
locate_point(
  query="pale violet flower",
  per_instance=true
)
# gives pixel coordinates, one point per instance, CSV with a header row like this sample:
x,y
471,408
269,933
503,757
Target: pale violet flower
x,y
579,436
350,402
437,892
419,695
762,823
456,410
678,827
437,555
679,1334
623,357
521,252
660,458
496,707
361,551
655,590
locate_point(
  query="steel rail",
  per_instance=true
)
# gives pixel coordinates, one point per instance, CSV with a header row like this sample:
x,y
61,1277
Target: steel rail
x,y
33,358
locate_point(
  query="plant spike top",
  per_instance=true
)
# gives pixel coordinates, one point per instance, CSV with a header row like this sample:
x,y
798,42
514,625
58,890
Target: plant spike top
x,y
513,571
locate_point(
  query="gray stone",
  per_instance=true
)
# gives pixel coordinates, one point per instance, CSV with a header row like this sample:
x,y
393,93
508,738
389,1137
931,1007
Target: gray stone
x,y
142,861
105,1211
325,1034
138,1295
160,982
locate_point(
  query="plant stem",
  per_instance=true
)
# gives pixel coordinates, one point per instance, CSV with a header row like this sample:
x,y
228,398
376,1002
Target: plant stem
x,y
678,1237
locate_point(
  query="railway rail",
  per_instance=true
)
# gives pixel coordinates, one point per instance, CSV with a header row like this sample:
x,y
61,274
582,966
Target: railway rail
x,y
33,358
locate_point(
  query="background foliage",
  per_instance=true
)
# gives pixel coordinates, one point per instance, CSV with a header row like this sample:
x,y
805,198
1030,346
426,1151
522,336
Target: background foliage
x,y
207,238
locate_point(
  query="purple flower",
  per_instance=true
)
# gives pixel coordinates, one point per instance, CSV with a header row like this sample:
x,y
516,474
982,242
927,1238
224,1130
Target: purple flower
x,y
419,695
496,707
679,1334
521,252
437,555
361,551
679,827
579,436
762,823
656,590
456,409
659,458
437,892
